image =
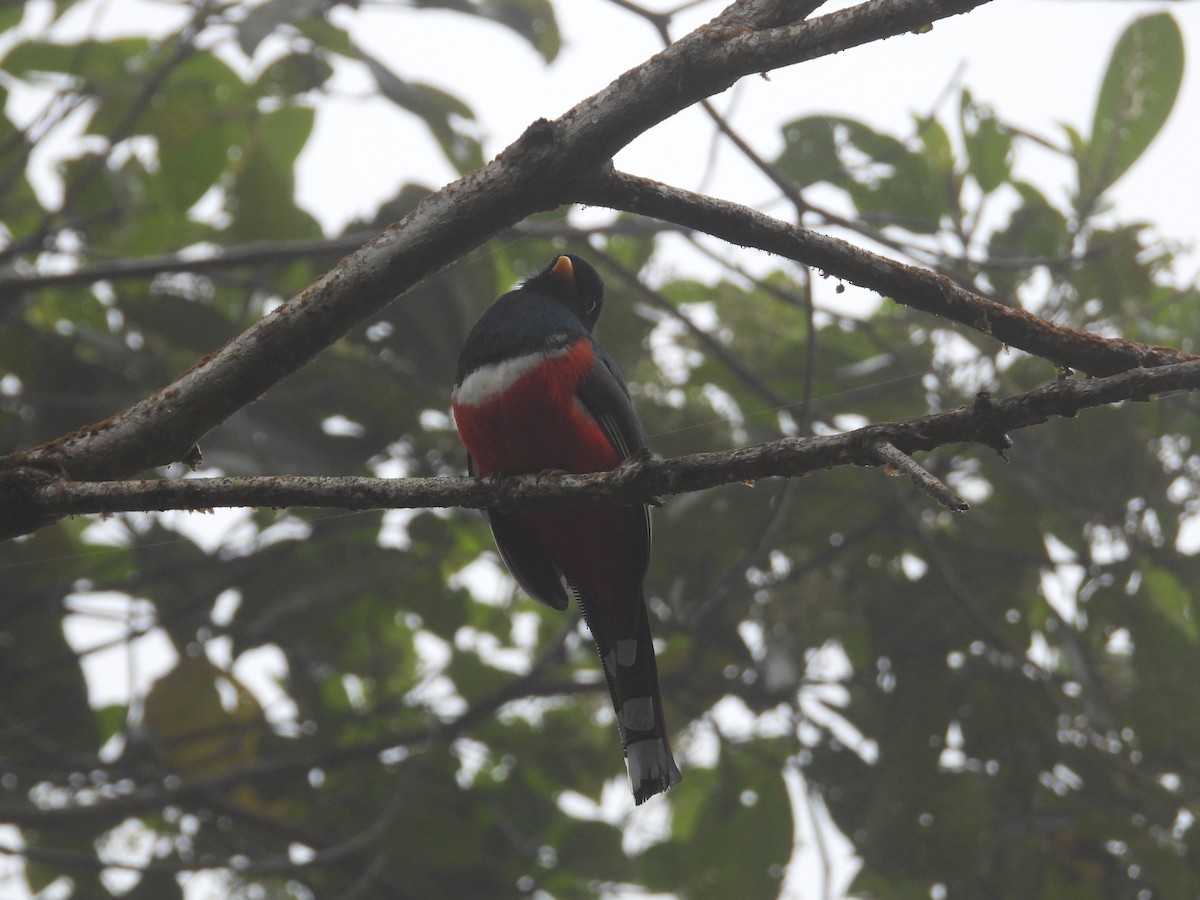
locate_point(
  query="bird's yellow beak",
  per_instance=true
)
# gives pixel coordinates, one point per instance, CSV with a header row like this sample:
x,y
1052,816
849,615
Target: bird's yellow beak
x,y
563,269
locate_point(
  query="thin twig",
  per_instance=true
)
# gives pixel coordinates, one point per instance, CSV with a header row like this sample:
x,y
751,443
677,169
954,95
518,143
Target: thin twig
x,y
708,342
273,253
921,477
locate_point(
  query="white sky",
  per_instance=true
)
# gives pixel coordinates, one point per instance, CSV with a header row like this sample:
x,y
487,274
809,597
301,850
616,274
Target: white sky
x,y
1039,62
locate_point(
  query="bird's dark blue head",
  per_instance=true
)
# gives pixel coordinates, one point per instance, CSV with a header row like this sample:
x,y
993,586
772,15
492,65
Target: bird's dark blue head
x,y
557,306
572,282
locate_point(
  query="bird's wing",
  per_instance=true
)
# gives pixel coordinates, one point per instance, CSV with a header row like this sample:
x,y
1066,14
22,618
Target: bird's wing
x,y
526,557
605,397
622,631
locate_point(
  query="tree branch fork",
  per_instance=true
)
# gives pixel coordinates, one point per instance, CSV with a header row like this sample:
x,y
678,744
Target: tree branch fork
x,y
641,479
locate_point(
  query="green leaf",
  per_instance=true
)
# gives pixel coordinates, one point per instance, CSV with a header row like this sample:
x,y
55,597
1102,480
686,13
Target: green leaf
x,y
533,20
472,676
591,850
887,181
11,15
438,108
742,803
936,141
294,74
266,18
155,886
283,133
110,720
262,199
98,194
178,322
939,160
95,61
51,700
1035,230
810,152
197,730
78,840
328,37
909,195
20,209
988,144
630,251
430,103
62,6
1136,97
1171,599
201,114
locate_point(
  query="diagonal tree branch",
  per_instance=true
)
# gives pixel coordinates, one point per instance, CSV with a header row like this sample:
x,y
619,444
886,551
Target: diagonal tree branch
x,y
899,461
909,285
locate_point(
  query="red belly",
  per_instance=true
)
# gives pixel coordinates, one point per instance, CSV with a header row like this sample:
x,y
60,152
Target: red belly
x,y
537,424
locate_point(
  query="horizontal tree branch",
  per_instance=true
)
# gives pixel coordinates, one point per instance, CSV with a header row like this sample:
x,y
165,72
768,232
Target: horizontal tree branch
x,y
909,285
986,421
270,253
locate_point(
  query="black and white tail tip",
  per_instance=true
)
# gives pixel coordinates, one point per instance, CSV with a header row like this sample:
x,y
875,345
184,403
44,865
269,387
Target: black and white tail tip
x,y
651,768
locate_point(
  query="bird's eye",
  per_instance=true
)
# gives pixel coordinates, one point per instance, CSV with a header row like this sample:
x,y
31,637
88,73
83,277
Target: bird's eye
x,y
591,307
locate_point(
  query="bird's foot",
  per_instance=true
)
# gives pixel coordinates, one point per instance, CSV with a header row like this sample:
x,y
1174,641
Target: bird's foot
x,y
632,466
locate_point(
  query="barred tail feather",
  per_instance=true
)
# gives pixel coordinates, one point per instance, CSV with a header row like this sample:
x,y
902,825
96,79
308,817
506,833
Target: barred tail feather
x,y
632,675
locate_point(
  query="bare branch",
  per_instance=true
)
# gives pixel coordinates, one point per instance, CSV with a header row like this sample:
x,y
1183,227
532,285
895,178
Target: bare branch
x,y
909,285
920,476
985,421
269,253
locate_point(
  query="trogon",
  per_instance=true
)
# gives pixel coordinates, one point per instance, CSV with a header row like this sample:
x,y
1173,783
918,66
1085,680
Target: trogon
x,y
535,392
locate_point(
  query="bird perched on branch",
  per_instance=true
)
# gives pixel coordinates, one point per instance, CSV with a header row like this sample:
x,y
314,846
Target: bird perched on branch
x,y
535,392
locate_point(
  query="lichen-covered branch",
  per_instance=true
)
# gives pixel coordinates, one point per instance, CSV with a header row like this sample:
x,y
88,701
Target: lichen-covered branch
x,y
986,421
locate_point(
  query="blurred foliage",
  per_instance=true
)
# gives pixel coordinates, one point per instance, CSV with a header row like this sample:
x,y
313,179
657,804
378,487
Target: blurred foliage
x,y
1002,704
